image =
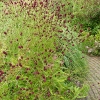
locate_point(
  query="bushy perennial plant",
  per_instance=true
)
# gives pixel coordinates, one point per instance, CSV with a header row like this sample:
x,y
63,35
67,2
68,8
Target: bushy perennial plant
x,y
35,36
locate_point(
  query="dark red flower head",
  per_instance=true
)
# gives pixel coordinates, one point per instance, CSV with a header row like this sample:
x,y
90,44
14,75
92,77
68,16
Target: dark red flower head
x,y
1,72
5,33
4,52
17,77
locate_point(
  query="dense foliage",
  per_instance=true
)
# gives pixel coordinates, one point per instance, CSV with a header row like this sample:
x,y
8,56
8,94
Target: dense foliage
x,y
39,48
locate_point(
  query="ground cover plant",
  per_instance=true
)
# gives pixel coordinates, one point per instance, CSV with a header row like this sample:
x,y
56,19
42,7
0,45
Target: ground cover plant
x,y
39,57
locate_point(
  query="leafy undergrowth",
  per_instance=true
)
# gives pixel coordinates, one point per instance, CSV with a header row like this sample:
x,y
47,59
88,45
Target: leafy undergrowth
x,y
91,45
39,57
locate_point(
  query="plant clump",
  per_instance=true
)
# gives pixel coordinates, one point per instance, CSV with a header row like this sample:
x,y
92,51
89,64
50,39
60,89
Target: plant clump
x,y
34,39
